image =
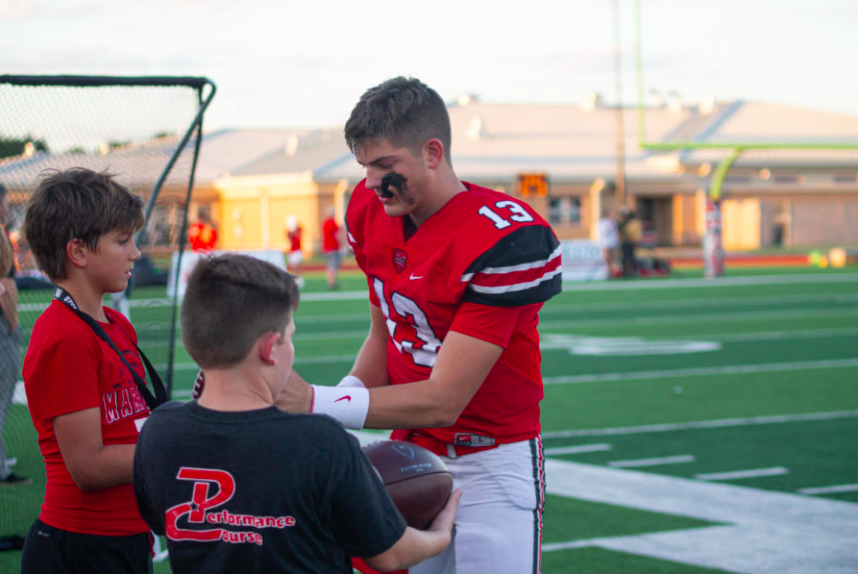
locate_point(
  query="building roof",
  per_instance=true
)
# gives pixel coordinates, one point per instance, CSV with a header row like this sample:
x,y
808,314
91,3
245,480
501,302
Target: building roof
x,y
140,165
572,143
497,142
316,151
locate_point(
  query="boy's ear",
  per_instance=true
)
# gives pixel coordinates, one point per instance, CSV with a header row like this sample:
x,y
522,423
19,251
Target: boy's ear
x,y
267,343
433,152
76,251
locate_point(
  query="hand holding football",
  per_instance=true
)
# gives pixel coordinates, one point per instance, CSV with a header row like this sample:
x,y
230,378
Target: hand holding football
x,y
417,479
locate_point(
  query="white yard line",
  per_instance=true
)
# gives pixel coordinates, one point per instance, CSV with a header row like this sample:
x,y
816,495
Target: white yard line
x,y
742,474
781,335
686,318
830,489
766,532
756,301
336,296
701,371
567,286
720,423
719,282
577,449
644,462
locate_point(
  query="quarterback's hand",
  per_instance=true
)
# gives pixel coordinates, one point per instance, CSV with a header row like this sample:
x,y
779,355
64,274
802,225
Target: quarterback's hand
x,y
297,397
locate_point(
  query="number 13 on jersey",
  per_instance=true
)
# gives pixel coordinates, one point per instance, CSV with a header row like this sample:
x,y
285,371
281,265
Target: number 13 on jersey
x,y
424,350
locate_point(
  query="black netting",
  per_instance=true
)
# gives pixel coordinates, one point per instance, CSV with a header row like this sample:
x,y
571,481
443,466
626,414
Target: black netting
x,y
143,130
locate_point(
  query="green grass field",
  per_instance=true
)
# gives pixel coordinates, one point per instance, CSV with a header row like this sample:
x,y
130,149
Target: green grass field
x,y
691,426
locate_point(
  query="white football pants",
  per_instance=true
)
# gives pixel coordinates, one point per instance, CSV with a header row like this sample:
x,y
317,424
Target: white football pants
x,y
499,521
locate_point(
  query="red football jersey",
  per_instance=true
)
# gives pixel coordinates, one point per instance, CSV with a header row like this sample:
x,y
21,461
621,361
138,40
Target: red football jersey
x,y
483,265
67,369
330,240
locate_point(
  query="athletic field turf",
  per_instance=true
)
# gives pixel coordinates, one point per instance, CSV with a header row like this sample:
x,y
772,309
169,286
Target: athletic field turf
x,y
691,426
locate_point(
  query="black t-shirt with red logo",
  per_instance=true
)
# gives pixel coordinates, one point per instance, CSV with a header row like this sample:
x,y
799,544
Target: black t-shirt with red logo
x,y
259,491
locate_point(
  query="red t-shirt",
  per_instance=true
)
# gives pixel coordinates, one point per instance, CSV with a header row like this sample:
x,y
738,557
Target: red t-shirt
x,y
202,236
67,369
294,239
483,265
330,237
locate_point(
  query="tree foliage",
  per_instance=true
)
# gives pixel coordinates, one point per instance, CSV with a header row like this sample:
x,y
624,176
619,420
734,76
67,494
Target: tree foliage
x,y
15,146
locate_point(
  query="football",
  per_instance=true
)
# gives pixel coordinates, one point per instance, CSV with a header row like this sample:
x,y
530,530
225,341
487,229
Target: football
x,y
417,479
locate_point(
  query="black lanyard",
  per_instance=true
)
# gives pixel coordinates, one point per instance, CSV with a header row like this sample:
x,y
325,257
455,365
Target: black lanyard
x,y
160,396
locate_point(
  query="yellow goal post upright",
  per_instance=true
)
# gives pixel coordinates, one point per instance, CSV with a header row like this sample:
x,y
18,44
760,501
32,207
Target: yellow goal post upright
x,y
713,252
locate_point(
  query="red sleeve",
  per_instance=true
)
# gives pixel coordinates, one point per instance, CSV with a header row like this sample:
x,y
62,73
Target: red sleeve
x,y
487,322
64,378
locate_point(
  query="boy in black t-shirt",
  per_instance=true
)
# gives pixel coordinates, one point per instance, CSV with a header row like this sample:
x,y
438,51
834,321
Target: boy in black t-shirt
x,y
238,485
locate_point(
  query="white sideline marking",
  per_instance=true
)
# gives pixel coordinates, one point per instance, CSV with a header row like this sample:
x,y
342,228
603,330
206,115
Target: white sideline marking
x,y
339,296
642,462
567,286
702,371
19,395
830,489
766,533
719,282
338,335
577,449
741,337
721,423
776,335
740,474
551,380
715,317
753,301
298,361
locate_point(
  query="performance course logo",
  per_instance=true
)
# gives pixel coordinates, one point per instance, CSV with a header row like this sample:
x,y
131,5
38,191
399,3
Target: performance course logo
x,y
184,520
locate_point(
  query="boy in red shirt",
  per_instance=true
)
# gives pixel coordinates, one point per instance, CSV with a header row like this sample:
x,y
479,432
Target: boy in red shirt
x,y
331,247
83,400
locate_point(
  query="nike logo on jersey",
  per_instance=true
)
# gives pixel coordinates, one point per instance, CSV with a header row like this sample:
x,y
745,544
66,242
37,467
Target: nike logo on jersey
x,y
346,398
413,276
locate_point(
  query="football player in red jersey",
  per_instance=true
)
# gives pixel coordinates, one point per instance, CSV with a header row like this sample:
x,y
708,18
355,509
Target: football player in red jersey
x,y
457,274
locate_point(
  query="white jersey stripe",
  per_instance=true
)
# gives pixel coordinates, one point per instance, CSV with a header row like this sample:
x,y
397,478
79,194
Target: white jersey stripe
x,y
514,268
516,286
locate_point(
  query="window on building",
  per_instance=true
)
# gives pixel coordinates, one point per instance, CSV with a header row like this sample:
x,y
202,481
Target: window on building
x,y
574,210
555,212
563,210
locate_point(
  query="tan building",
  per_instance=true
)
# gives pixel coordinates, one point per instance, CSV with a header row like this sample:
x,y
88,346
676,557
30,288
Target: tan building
x,y
250,181
795,198
139,166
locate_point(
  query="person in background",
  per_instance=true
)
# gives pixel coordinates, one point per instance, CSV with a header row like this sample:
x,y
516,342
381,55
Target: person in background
x,y
295,257
331,247
10,339
631,232
202,234
609,240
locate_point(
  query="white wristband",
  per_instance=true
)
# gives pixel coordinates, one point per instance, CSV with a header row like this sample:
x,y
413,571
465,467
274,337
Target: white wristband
x,y
351,381
347,405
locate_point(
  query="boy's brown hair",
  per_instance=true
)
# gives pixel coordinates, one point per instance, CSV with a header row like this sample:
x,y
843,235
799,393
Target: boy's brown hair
x,y
77,203
232,300
405,112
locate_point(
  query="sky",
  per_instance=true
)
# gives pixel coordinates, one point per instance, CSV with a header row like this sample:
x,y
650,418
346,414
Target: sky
x,y
304,63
